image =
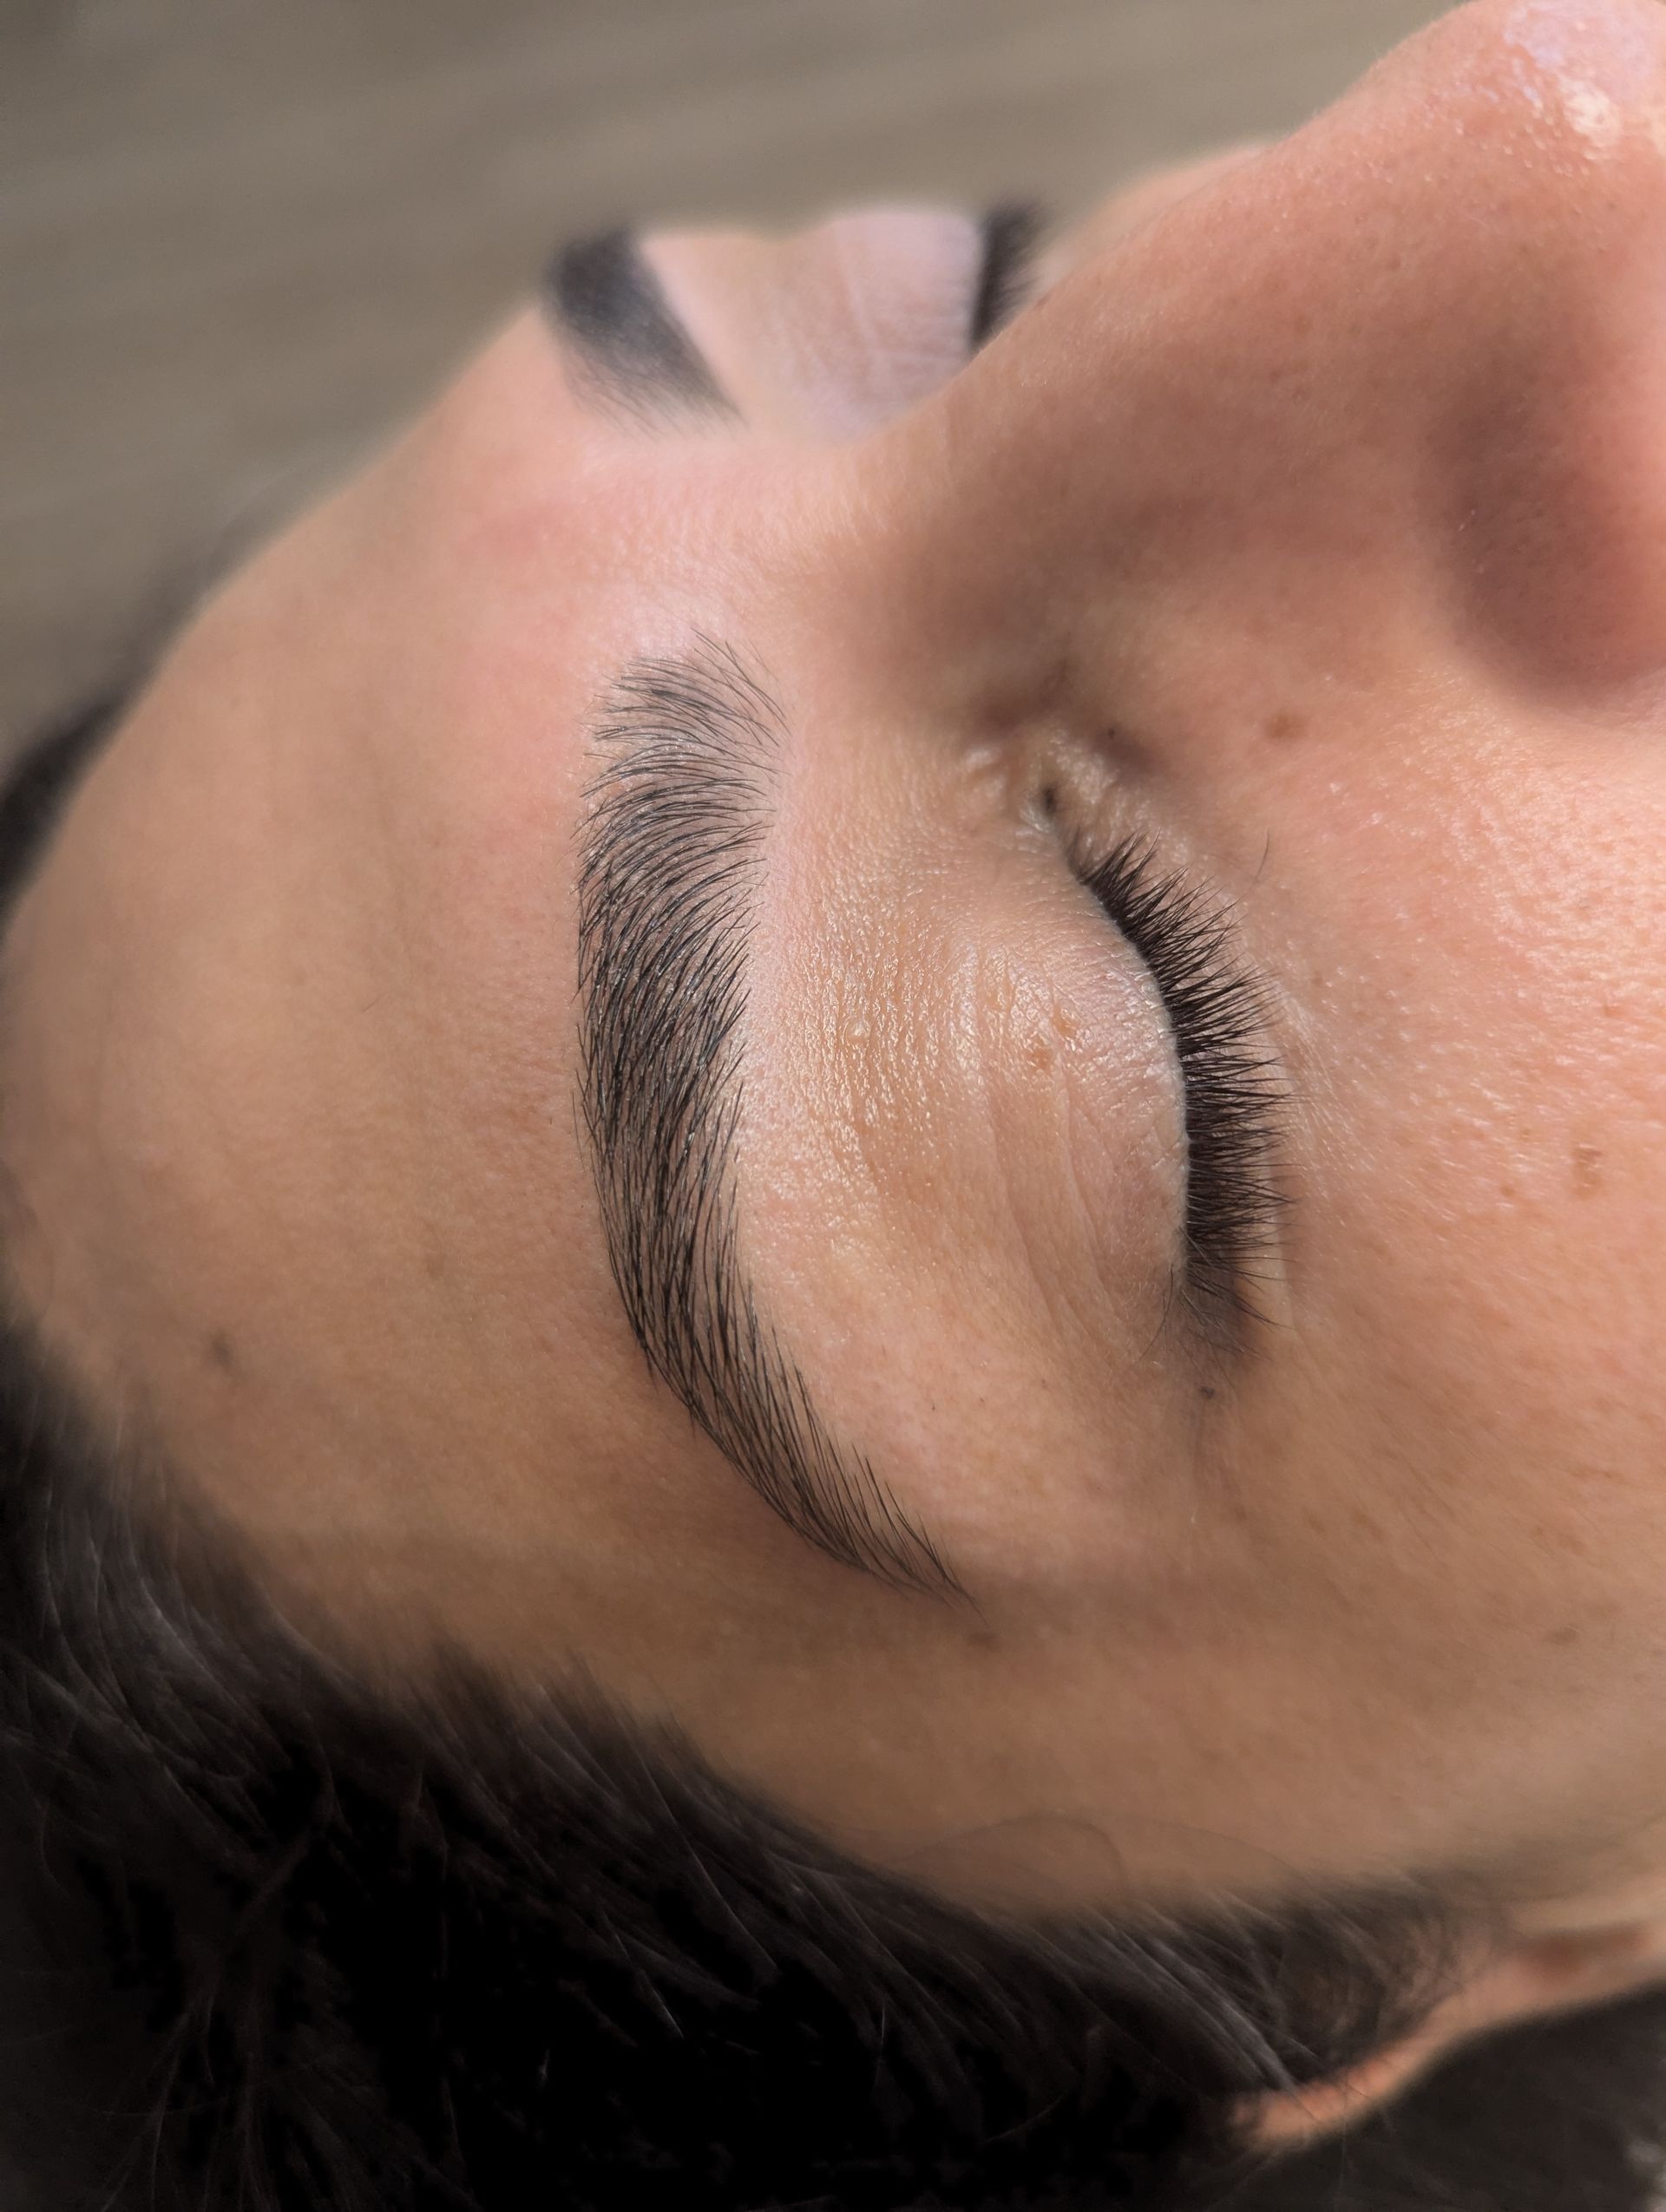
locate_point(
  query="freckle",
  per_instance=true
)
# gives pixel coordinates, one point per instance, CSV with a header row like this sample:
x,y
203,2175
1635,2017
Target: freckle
x,y
1506,1190
1205,1389
1568,1542
1587,1170
221,1353
1563,1636
434,1264
1285,725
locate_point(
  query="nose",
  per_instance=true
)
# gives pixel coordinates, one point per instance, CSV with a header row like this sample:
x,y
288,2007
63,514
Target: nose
x,y
1422,342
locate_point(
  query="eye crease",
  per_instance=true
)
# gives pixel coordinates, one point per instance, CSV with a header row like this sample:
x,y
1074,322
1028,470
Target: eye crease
x,y
1233,1096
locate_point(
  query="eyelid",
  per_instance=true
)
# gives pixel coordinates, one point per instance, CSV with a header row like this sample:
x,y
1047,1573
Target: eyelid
x,y
1233,1090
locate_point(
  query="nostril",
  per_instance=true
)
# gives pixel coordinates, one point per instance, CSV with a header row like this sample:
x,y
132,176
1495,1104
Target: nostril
x,y
1511,279
1554,474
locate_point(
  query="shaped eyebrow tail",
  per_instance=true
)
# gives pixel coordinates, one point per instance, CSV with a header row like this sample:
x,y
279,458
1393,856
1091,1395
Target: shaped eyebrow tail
x,y
631,351
670,854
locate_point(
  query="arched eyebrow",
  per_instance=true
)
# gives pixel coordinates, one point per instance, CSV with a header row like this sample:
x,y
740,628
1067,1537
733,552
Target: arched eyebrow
x,y
670,854
629,350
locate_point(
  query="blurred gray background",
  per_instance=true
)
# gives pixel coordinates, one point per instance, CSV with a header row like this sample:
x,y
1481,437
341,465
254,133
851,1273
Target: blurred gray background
x,y
237,236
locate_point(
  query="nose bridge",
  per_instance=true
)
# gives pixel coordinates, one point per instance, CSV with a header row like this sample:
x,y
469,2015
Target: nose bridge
x,y
1439,309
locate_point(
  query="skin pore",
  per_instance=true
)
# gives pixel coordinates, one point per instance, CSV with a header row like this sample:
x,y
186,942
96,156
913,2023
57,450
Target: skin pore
x,y
1303,529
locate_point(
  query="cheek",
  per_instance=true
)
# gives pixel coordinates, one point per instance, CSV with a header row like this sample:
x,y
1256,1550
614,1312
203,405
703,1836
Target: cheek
x,y
1483,1221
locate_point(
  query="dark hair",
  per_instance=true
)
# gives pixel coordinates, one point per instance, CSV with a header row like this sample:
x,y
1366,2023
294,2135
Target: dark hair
x,y
277,1939
273,1936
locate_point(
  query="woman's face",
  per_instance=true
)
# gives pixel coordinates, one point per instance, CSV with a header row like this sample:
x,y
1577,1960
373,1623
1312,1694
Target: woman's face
x,y
1068,938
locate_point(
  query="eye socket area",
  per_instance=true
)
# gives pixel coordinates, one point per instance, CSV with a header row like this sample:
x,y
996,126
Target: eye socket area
x,y
834,331
1233,1101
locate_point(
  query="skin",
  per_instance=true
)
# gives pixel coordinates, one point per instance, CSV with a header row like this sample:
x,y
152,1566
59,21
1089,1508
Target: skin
x,y
1309,523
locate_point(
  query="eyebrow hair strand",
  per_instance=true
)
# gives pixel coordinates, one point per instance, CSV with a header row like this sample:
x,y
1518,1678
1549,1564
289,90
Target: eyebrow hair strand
x,y
670,853
633,351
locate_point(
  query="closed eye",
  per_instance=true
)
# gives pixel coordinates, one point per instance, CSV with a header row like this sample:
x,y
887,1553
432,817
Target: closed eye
x,y
1233,1092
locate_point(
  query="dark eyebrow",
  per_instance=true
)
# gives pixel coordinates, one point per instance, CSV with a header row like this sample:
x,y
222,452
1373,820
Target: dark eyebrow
x,y
625,340
667,881
1012,232
39,782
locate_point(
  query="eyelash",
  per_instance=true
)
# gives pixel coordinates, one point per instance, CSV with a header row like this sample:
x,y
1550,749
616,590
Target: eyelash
x,y
1233,1096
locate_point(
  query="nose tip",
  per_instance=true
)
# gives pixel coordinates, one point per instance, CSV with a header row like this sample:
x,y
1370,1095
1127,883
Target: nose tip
x,y
1547,250
1599,65
1592,70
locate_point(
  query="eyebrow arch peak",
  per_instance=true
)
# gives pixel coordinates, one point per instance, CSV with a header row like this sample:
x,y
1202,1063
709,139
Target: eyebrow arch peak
x,y
669,860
